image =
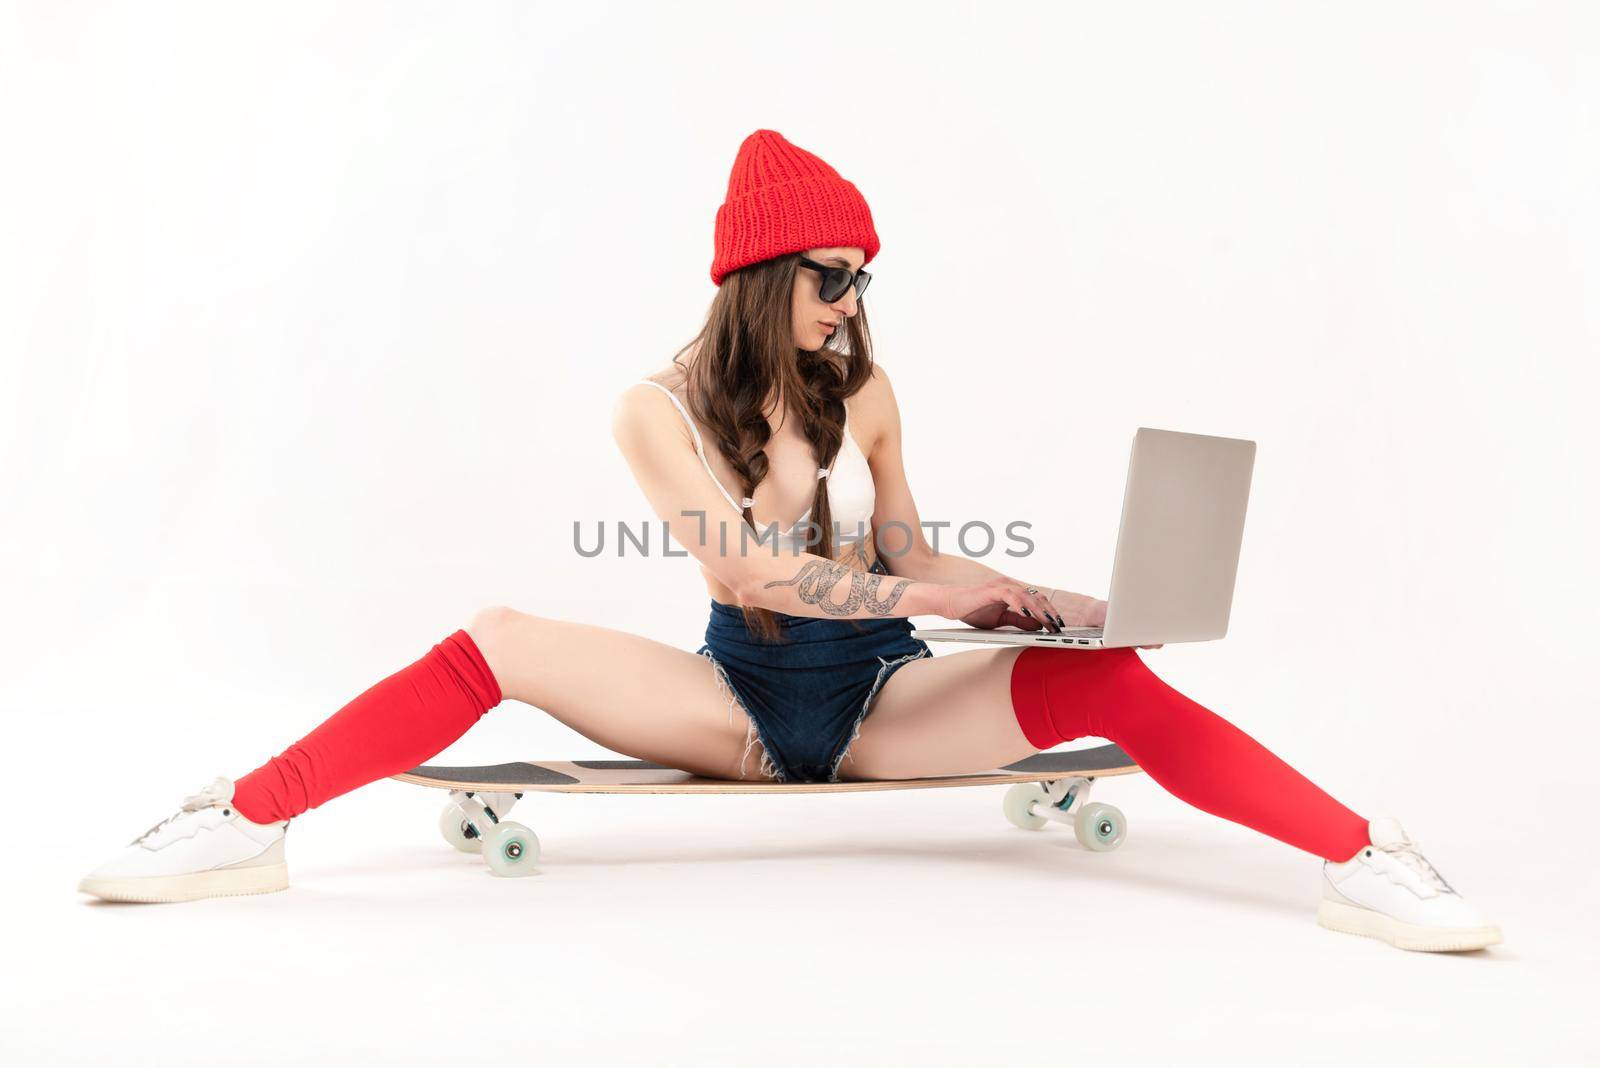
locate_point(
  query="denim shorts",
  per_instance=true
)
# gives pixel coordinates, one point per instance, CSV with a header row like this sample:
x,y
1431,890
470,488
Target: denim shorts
x,y
807,692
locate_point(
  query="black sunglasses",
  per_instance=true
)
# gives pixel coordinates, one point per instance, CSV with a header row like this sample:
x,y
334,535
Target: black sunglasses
x,y
835,280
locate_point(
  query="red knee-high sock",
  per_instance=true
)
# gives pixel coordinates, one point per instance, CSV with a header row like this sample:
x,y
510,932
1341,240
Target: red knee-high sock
x,y
395,725
1194,754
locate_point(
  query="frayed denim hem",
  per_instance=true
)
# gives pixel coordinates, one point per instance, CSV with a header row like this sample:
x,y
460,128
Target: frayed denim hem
x,y
753,735
866,705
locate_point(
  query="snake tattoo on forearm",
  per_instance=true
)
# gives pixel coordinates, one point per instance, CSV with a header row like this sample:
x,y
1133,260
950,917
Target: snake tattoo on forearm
x,y
817,578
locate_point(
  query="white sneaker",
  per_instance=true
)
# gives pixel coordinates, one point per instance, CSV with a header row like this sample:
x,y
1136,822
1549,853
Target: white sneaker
x,y
205,849
1388,890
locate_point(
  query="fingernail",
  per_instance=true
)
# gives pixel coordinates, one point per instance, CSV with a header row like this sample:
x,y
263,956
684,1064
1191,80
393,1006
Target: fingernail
x,y
1027,613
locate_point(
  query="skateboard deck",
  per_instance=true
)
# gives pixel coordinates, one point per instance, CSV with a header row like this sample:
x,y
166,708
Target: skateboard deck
x,y
1045,787
643,777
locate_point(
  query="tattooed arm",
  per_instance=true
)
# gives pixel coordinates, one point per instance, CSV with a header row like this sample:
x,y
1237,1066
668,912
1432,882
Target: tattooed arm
x,y
811,585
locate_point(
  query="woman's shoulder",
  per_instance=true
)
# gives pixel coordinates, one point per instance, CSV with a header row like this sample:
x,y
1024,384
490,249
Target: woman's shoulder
x,y
636,395
643,394
671,378
873,407
640,412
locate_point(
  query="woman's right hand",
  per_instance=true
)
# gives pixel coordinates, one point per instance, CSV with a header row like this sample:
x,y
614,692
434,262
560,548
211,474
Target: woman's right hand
x,y
999,602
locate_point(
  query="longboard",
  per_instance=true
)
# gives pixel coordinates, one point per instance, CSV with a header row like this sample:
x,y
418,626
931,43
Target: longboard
x,y
1044,787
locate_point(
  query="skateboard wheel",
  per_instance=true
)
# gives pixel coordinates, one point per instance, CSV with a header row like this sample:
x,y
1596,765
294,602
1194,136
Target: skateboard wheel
x,y
511,849
1019,802
453,825
1100,828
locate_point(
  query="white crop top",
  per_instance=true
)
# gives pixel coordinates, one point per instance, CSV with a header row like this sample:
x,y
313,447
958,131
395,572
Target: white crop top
x,y
851,493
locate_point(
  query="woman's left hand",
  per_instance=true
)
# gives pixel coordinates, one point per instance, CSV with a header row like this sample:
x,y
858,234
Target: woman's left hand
x,y
1067,610
1080,610
1076,609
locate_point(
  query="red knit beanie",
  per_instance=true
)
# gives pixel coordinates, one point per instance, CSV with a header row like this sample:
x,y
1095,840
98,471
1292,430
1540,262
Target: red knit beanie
x,y
783,199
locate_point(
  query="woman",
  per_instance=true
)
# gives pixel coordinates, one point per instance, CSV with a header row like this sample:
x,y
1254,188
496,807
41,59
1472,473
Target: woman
x,y
809,671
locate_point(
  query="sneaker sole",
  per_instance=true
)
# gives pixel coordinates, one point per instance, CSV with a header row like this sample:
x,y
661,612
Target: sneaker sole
x,y
223,882
1351,919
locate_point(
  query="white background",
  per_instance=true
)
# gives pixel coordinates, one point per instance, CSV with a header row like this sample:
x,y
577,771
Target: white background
x,y
311,320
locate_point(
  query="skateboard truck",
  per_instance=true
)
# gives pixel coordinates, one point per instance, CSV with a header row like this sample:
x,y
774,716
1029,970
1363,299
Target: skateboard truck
x,y
471,821
1099,827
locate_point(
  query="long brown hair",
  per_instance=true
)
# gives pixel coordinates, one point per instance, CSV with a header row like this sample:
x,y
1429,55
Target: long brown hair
x,y
743,353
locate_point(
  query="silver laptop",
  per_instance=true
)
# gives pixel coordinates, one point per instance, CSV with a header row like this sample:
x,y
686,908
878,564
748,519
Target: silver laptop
x,y
1177,548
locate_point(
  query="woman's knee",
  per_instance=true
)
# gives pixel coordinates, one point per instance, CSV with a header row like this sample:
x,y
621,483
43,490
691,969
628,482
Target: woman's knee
x,y
489,624
492,629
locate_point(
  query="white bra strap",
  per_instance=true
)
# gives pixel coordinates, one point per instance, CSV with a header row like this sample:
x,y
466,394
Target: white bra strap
x,y
699,446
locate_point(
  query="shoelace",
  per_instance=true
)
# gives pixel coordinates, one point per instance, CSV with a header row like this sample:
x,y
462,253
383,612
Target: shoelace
x,y
1406,852
216,793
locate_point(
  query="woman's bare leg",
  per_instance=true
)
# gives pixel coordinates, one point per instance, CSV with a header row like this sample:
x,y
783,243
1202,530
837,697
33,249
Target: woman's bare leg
x,y
630,694
943,715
